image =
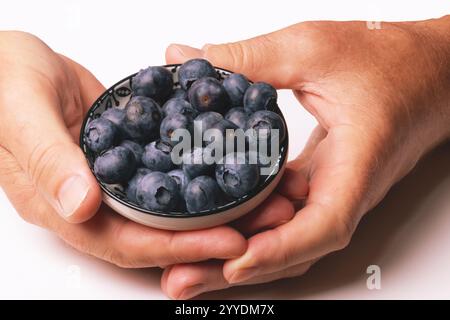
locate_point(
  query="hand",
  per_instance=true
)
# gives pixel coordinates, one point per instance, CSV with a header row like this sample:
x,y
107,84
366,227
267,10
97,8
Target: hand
x,y
43,99
381,99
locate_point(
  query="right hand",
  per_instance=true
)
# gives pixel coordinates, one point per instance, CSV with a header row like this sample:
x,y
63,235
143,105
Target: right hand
x,y
43,99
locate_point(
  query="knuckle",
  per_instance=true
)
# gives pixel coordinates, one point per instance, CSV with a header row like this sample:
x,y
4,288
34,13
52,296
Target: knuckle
x,y
343,230
43,160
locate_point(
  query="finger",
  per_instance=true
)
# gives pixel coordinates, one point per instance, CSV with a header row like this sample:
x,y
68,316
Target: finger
x,y
301,162
35,132
264,58
113,238
339,194
293,185
185,281
274,211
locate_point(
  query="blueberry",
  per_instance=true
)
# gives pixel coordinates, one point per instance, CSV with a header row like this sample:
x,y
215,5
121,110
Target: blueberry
x,y
132,184
179,105
136,148
208,94
180,178
194,69
100,134
236,176
238,116
142,119
226,131
157,157
260,96
179,93
194,163
116,165
263,122
157,191
206,120
153,82
202,193
263,161
173,122
236,84
116,116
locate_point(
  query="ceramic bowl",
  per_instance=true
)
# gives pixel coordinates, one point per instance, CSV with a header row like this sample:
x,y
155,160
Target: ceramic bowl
x,y
114,194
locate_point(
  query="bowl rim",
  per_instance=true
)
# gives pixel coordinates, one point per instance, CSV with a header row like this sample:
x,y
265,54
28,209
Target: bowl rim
x,y
173,214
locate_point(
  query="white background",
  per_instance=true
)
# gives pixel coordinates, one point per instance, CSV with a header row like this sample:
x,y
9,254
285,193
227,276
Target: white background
x,y
407,235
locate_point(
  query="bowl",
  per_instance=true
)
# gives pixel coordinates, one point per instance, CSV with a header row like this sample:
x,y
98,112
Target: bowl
x,y
114,196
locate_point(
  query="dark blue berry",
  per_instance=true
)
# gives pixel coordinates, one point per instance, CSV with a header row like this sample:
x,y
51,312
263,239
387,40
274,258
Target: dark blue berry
x,y
263,122
157,156
100,134
236,84
132,184
142,120
153,82
157,191
180,178
195,163
238,116
194,69
236,176
179,93
208,94
178,105
136,148
260,96
202,193
174,122
116,165
116,116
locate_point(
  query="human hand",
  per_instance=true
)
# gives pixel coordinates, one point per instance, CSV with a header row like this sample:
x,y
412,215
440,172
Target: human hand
x,y
382,100
43,99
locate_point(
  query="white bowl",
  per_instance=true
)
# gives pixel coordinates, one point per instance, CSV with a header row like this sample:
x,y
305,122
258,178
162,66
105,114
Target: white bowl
x,y
114,195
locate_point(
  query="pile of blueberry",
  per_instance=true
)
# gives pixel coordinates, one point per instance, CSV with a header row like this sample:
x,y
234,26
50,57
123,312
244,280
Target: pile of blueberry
x,y
133,146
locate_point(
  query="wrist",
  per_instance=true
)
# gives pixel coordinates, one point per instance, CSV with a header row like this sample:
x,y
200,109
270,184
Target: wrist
x,y
436,34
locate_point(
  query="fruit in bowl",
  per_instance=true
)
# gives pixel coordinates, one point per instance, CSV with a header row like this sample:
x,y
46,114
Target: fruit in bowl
x,y
185,146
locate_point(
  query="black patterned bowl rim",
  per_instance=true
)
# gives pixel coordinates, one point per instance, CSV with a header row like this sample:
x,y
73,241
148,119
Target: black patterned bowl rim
x,y
173,214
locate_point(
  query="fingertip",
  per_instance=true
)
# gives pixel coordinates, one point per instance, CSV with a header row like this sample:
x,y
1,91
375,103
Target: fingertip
x,y
179,53
293,185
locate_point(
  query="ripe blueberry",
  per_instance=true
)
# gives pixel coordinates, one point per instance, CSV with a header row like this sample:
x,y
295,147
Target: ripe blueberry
x,y
208,94
236,176
157,156
260,96
142,119
100,134
238,116
132,184
194,69
153,82
180,178
202,193
194,163
174,122
136,148
116,165
263,122
236,84
157,191
178,105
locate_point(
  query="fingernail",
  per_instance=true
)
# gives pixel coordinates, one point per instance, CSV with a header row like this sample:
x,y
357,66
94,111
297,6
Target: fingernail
x,y
71,194
186,51
191,291
243,274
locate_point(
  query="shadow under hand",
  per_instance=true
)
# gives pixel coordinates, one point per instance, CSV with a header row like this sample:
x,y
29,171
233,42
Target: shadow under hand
x,y
375,234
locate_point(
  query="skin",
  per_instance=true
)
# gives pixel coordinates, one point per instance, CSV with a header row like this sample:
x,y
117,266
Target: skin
x,y
381,101
378,95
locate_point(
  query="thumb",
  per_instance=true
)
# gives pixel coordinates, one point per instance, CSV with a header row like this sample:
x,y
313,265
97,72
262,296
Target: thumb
x,y
38,137
263,58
